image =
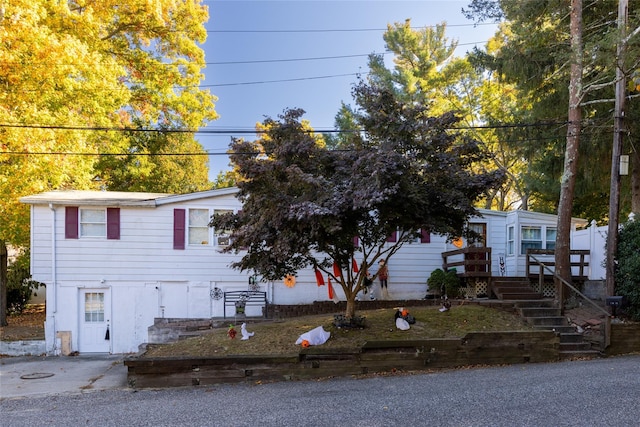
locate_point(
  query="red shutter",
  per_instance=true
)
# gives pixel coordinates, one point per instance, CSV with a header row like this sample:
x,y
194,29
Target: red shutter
x,y
113,223
393,238
425,236
356,242
71,222
179,225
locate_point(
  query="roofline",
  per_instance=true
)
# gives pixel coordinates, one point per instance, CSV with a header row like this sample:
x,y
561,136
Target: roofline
x,y
177,198
524,213
118,198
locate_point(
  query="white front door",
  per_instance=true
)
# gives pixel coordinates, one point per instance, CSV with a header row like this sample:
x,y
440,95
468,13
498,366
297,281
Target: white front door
x,y
95,321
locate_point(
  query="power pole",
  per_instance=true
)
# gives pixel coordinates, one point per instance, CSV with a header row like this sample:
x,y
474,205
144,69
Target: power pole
x,y
614,195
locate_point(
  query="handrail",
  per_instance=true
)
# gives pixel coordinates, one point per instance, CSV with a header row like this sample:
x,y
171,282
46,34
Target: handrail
x,y
607,315
581,264
480,267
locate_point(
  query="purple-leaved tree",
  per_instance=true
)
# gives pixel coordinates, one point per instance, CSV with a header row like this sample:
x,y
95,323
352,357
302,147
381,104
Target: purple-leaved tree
x,y
304,205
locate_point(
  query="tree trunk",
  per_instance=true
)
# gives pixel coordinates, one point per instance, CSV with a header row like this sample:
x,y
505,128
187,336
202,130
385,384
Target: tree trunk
x,y
4,261
568,181
634,170
351,307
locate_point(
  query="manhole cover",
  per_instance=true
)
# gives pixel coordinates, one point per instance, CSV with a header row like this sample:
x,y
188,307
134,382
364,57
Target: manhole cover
x,y
36,376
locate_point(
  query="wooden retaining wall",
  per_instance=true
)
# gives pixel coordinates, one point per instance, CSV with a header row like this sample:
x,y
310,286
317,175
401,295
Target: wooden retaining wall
x,y
625,339
479,348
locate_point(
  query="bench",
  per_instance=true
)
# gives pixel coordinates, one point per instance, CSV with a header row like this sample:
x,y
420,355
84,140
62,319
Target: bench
x,y
242,299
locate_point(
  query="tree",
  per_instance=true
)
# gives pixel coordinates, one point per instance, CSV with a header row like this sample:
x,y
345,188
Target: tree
x,y
74,74
155,163
568,182
303,205
628,267
426,70
534,56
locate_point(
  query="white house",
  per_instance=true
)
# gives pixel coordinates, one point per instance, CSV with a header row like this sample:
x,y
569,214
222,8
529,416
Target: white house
x,y
115,261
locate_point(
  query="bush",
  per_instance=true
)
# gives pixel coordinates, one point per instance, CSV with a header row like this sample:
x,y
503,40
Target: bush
x,y
449,280
627,277
20,286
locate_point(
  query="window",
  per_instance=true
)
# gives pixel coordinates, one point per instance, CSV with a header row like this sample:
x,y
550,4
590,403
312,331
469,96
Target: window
x,y
481,229
94,307
223,237
551,237
93,223
531,238
198,226
510,240
199,231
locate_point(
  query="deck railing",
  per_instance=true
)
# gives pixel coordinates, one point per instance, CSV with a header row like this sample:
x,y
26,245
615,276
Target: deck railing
x,y
578,262
476,261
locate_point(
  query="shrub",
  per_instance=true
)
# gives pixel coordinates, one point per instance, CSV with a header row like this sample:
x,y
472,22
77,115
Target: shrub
x,y
627,277
20,286
449,280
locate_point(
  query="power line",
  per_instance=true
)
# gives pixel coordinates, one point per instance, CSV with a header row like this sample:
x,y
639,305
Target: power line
x,y
299,79
341,30
317,58
246,131
257,61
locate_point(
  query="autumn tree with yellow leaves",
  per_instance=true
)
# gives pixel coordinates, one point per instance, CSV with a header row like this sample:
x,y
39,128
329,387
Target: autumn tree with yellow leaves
x,y
95,95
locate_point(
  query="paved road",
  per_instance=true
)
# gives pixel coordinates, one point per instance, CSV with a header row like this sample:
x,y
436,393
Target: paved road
x,y
602,392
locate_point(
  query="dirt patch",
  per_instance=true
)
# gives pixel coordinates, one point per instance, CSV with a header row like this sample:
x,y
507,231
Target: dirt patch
x,y
28,325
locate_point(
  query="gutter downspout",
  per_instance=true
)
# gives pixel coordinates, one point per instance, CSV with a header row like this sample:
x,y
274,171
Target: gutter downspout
x,y
54,275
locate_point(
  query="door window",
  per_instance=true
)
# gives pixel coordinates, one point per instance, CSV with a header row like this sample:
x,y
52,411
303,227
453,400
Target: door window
x,y
94,307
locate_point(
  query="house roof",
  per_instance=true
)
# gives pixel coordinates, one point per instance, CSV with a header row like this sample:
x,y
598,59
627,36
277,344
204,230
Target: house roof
x,y
545,216
118,198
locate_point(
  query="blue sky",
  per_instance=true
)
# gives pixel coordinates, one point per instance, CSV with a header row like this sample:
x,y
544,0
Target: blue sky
x,y
261,56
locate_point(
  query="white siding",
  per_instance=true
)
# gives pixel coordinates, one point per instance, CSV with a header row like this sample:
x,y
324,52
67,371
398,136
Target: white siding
x,y
147,278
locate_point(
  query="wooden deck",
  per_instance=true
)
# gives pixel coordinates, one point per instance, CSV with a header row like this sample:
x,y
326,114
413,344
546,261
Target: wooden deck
x,y
578,261
476,262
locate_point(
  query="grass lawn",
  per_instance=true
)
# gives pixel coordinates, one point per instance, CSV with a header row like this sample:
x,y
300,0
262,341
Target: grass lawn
x,y
279,337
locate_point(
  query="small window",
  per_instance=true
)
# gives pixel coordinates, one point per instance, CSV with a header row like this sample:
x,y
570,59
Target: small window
x,y
510,240
551,237
93,223
531,238
94,307
481,229
198,226
223,237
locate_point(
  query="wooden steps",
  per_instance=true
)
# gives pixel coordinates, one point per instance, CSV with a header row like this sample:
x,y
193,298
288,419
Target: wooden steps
x,y
543,315
514,288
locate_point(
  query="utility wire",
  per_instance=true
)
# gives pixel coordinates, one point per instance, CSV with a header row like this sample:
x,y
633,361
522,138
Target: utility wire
x,y
299,79
343,30
257,61
251,132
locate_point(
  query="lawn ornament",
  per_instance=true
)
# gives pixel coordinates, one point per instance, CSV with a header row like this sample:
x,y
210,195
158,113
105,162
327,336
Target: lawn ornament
x,y
245,335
